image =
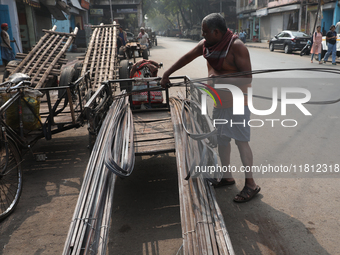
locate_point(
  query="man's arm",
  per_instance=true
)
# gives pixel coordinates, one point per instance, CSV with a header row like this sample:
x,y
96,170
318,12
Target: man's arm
x,y
183,61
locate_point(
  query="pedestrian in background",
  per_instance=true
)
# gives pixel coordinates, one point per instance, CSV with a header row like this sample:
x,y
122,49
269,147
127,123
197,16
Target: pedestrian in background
x,y
144,37
7,53
242,36
331,37
122,37
317,47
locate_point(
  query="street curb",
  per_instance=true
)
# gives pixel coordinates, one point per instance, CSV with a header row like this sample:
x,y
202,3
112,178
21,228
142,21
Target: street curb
x,y
256,46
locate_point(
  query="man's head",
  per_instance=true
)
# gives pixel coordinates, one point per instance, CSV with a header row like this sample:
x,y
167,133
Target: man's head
x,y
4,26
120,29
332,27
213,28
142,30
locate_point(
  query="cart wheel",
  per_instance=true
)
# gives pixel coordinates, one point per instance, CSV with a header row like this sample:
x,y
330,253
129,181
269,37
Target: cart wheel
x,y
124,73
67,76
145,54
10,177
7,73
77,67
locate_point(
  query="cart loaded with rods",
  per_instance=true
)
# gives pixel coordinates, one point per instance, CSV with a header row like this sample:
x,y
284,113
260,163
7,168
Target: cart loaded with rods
x,y
43,95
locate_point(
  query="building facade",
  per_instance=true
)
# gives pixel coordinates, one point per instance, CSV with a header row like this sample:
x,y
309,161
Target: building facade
x,y
262,19
27,18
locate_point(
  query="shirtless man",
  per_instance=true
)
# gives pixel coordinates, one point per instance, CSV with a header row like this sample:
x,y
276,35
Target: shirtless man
x,y
225,54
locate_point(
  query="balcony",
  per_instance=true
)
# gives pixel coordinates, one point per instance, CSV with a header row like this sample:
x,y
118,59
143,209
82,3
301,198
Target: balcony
x,y
282,2
246,6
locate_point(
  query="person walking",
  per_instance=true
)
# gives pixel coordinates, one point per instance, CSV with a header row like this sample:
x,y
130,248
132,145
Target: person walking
x,y
144,37
225,54
7,53
242,36
317,44
331,37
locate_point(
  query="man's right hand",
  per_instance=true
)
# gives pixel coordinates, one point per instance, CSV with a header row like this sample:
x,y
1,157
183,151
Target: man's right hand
x,y
165,82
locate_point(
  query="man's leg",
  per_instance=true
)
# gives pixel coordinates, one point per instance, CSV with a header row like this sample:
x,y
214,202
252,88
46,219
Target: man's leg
x,y
5,62
250,188
224,152
247,161
334,54
329,50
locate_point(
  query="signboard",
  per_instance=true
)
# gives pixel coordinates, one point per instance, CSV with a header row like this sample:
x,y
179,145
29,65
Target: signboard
x,y
97,12
132,10
33,3
85,4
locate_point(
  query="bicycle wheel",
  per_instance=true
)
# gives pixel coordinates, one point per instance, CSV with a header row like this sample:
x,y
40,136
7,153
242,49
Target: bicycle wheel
x,y
10,177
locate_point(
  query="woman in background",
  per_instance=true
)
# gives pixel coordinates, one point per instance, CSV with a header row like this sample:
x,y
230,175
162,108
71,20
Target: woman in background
x,y
317,47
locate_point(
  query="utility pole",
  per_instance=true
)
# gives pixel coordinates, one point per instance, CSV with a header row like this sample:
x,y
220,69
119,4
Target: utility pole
x,y
111,11
300,15
317,15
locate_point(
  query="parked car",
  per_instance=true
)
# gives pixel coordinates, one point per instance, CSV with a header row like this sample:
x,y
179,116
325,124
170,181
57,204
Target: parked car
x,y
289,41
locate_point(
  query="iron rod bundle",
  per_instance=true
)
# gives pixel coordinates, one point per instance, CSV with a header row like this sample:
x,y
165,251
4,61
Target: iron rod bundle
x,y
88,231
203,227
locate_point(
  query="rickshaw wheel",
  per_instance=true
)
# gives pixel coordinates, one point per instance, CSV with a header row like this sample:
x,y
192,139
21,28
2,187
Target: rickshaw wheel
x,y
124,73
145,54
10,178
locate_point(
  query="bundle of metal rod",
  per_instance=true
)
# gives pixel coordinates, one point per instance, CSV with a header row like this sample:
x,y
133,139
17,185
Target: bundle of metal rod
x,y
100,58
46,57
120,151
88,232
203,227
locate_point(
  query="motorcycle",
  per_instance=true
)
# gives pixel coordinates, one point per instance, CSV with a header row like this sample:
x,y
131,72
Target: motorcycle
x,y
306,49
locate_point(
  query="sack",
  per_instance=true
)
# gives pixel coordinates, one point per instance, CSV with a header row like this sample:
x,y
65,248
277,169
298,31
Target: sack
x,y
30,121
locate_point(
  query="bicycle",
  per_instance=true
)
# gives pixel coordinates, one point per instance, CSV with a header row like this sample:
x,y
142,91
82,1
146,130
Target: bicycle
x,y
10,155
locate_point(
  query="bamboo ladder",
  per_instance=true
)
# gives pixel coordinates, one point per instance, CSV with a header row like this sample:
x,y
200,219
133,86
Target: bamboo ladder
x,y
43,62
100,58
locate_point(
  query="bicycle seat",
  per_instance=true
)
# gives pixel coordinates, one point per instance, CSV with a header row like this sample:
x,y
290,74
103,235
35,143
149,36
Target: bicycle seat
x,y
18,77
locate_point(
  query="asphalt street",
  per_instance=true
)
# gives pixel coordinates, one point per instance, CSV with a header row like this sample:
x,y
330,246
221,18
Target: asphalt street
x,y
295,213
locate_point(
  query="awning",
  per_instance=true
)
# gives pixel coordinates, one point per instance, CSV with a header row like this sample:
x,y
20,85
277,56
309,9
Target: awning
x,y
57,8
57,13
74,10
77,5
286,8
329,6
262,12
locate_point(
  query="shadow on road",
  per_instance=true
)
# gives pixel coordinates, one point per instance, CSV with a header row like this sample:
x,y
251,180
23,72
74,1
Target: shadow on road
x,y
257,228
50,193
146,216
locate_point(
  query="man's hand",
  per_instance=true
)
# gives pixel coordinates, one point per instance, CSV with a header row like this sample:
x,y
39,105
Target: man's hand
x,y
165,82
